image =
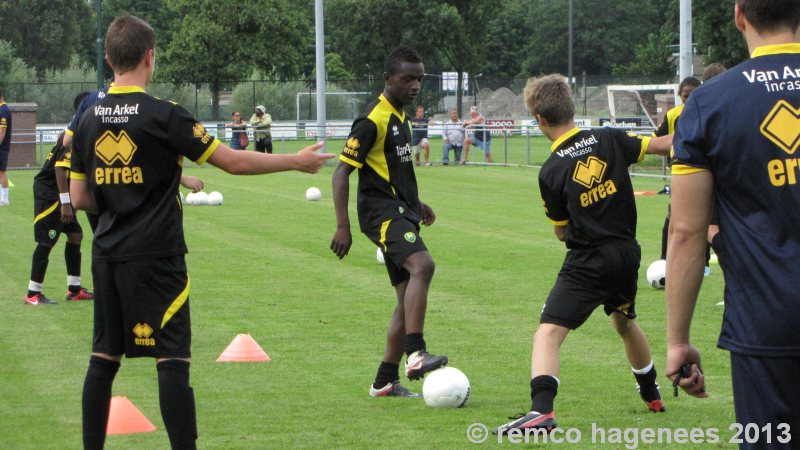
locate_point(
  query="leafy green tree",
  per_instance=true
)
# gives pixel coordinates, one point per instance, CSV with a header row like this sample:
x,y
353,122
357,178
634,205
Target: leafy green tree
x,y
222,41
46,33
14,73
715,33
652,59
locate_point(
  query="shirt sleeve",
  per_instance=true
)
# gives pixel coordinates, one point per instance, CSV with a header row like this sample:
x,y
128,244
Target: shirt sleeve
x,y
633,146
360,141
62,157
190,136
555,208
689,144
662,129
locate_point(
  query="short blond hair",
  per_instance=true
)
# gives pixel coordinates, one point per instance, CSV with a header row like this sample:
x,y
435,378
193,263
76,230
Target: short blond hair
x,y
549,96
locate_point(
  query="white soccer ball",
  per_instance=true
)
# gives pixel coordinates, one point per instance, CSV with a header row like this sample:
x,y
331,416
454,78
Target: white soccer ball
x,y
191,199
313,194
657,274
215,198
379,256
201,198
447,387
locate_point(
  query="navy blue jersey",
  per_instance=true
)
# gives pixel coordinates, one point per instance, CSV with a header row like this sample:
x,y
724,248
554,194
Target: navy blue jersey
x,y
744,127
379,146
5,122
86,103
585,185
129,148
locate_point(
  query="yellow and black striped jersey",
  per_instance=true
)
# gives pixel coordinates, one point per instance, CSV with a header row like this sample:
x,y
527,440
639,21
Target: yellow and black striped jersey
x,y
129,147
45,188
586,187
379,145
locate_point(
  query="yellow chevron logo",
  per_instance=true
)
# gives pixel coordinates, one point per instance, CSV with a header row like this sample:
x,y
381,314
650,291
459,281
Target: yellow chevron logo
x,y
142,330
590,172
110,147
782,126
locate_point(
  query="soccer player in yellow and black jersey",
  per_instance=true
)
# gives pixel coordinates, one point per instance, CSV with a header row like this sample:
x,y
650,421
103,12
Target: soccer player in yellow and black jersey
x,y
53,215
737,143
667,127
126,166
389,213
588,197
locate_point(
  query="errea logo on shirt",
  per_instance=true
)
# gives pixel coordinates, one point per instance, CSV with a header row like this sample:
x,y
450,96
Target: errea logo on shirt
x,y
351,147
111,148
199,131
782,127
590,174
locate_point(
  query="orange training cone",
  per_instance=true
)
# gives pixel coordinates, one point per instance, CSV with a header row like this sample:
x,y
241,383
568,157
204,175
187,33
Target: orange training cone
x,y
243,348
124,418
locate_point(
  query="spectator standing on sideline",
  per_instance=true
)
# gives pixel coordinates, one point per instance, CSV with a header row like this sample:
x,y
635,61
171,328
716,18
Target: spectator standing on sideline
x,y
419,135
262,122
479,136
737,143
238,131
452,137
126,166
5,147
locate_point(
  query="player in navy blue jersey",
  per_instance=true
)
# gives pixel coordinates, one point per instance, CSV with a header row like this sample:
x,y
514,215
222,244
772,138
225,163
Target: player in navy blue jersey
x,y
126,166
738,140
588,197
390,213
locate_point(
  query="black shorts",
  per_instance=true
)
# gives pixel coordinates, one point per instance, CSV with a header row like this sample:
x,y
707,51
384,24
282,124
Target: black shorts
x,y
47,224
3,160
141,308
765,395
605,275
398,239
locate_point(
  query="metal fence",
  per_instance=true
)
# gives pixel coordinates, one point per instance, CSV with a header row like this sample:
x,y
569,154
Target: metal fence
x,y
296,99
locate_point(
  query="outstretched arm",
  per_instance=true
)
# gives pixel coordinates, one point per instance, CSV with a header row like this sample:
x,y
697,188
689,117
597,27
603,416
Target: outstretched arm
x,y
254,163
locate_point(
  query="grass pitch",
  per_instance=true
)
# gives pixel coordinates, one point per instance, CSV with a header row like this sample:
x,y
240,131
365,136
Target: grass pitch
x,y
260,264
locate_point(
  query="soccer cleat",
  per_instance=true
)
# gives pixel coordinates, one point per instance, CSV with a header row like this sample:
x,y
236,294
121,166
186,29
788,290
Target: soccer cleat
x,y
38,299
421,362
83,294
656,405
533,419
394,389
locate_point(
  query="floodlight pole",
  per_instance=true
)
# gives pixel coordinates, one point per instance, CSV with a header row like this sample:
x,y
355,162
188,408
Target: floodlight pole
x,y
319,19
686,39
98,5
569,46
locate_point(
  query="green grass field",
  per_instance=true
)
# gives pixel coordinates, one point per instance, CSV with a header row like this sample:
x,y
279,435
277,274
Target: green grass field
x,y
260,264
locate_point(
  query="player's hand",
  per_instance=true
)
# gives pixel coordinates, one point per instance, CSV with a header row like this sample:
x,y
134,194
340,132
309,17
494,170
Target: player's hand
x,y
309,160
684,360
67,214
193,183
428,216
341,242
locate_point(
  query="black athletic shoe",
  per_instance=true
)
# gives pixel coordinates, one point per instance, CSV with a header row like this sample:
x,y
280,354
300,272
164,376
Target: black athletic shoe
x,y
656,405
533,419
38,299
420,363
394,389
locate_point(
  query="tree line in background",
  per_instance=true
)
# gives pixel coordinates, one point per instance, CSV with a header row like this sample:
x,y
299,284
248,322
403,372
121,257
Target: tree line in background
x,y
220,42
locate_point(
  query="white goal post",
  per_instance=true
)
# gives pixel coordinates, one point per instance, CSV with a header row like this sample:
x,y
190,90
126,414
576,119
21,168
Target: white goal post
x,y
635,92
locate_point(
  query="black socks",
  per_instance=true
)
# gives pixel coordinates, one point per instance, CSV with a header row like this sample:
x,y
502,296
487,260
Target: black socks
x,y
176,398
544,389
97,400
